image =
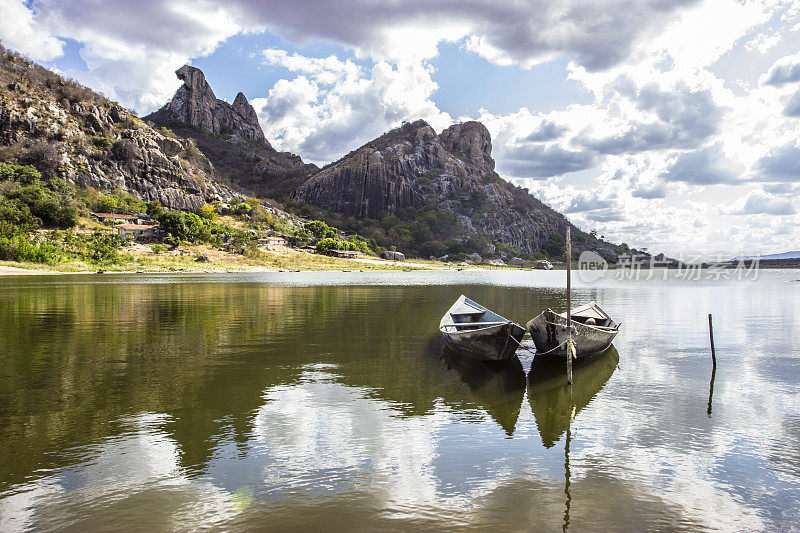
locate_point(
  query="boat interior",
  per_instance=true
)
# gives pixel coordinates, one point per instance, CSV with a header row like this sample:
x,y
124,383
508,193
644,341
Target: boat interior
x,y
592,315
467,315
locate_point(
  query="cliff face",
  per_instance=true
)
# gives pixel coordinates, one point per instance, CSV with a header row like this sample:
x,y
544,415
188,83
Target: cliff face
x,y
194,103
231,137
454,171
93,142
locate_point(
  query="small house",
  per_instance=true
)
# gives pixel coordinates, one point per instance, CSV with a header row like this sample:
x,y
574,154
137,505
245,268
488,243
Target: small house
x,y
115,218
275,240
139,232
346,254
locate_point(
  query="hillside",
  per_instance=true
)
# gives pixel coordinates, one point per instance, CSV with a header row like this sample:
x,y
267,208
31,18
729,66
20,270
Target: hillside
x,y
445,187
66,130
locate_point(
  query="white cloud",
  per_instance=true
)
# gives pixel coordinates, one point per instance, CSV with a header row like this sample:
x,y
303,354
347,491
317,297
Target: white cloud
x,y
785,70
758,202
334,107
20,31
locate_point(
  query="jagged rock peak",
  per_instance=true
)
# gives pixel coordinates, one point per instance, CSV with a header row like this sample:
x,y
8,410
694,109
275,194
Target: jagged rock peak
x,y
243,107
195,103
470,140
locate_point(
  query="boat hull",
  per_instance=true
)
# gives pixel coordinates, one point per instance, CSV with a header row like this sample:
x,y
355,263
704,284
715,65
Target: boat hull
x,y
494,343
549,333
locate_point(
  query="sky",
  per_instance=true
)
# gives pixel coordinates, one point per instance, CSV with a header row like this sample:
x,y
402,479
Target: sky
x,y
670,125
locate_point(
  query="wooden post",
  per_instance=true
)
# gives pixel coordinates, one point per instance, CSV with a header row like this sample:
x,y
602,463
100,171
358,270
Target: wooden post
x,y
569,305
711,338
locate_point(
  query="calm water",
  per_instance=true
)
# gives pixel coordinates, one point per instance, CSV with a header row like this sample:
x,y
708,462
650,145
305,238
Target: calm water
x,y
294,400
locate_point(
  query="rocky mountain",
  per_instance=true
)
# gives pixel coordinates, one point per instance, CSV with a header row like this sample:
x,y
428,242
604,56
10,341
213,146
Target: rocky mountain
x,y
231,137
413,167
426,193
68,130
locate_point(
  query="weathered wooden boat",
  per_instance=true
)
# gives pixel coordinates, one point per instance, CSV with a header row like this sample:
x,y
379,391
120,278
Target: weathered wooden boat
x,y
472,330
592,331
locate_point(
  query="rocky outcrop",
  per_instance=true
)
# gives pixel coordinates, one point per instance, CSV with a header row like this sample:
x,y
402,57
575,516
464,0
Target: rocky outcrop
x,y
412,166
231,137
195,103
93,142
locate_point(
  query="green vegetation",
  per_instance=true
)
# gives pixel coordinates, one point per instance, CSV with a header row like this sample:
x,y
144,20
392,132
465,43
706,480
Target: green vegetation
x,y
27,202
326,245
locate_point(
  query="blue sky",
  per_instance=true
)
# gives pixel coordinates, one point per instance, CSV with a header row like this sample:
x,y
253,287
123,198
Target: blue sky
x,y
672,126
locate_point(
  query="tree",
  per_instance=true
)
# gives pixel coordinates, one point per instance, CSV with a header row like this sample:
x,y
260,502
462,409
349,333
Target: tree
x,y
154,209
320,230
555,245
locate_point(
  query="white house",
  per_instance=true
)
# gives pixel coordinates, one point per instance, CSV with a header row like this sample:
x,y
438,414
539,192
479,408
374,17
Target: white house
x,y
140,232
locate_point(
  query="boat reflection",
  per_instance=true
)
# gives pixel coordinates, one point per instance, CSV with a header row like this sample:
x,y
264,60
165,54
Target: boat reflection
x,y
553,402
498,386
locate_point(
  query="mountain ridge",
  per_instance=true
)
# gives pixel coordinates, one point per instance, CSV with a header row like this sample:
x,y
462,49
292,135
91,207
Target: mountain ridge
x,y
429,193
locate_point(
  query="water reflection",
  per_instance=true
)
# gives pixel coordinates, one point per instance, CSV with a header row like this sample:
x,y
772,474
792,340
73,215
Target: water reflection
x,y
553,402
498,386
250,405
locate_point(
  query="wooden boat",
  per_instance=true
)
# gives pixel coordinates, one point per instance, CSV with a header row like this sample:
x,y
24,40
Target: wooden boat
x,y
472,330
592,331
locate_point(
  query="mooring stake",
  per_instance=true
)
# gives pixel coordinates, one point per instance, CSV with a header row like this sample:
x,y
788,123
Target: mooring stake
x,y
711,338
570,348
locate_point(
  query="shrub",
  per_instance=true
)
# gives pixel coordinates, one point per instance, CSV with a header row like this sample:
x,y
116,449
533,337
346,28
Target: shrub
x,y
326,245
154,208
45,204
158,248
185,226
103,248
46,157
15,218
23,174
207,212
19,248
242,208
102,143
555,247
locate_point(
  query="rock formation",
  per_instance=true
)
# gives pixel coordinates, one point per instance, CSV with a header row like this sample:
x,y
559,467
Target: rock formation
x,y
195,103
412,166
231,137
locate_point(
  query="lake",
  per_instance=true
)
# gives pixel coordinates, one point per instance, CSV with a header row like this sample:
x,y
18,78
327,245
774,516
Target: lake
x,y
322,400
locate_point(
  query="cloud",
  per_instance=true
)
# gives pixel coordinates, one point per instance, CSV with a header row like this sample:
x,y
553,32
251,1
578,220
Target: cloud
x,y
135,62
792,108
547,131
595,208
685,118
706,166
759,202
779,164
20,31
151,38
521,33
785,70
650,191
334,107
325,70
543,161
